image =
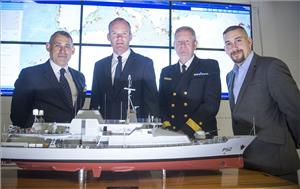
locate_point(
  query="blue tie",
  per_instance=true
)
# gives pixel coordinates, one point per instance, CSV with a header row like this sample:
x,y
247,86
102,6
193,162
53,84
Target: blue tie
x,y
118,70
65,86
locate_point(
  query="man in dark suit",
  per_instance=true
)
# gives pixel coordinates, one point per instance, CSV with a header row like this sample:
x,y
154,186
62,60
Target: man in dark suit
x,y
190,91
111,77
43,86
263,98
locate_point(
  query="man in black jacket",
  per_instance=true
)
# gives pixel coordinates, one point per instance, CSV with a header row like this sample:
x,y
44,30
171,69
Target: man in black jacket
x,y
111,77
53,87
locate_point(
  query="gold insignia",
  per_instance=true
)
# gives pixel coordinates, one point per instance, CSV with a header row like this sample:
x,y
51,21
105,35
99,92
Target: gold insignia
x,y
193,125
166,124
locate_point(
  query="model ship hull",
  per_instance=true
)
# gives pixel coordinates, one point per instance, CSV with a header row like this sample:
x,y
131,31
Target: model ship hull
x,y
88,144
97,167
186,157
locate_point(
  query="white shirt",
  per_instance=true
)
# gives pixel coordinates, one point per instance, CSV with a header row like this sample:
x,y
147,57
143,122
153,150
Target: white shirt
x,y
240,74
114,62
187,64
56,68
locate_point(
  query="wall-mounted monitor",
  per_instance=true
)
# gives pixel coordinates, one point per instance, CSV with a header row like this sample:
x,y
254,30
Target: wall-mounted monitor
x,y
27,25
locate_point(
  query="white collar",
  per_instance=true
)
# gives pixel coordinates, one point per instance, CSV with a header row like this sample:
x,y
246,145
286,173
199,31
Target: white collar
x,y
125,55
188,63
56,68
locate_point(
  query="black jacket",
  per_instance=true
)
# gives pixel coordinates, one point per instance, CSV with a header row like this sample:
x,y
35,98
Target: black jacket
x,y
191,100
38,88
109,98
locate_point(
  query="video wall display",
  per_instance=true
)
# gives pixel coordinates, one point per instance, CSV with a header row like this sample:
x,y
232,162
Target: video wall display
x,y
27,25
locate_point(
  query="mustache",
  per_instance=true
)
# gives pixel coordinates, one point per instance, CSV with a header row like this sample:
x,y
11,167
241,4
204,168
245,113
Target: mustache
x,y
236,52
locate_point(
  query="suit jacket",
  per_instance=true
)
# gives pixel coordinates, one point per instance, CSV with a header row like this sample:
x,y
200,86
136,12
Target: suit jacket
x,y
109,98
192,99
38,88
269,100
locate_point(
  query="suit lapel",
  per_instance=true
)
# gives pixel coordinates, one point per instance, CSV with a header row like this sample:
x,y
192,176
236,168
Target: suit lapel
x,y
107,71
80,86
129,65
50,76
185,78
230,89
176,76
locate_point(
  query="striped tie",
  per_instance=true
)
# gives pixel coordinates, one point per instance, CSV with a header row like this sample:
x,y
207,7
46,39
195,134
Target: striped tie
x,y
65,86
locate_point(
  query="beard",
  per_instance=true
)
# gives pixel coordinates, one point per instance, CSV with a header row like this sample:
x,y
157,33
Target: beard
x,y
238,56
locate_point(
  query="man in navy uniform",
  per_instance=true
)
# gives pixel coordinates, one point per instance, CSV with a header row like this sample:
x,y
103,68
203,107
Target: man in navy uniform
x,y
190,91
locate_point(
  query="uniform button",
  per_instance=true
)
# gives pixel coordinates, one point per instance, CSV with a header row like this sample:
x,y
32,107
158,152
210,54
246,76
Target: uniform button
x,y
185,115
200,123
172,116
185,104
172,105
174,93
174,127
185,92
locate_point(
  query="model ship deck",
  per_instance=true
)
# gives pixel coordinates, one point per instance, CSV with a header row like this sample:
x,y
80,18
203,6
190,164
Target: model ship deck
x,y
90,145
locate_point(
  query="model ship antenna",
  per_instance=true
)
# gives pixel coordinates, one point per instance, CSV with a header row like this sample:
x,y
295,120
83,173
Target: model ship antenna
x,y
104,107
253,122
121,107
253,126
130,106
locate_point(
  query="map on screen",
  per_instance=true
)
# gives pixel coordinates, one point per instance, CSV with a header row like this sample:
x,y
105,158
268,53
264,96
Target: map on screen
x,y
27,26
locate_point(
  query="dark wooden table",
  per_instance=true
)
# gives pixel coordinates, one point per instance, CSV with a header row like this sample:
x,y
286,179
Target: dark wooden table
x,y
12,178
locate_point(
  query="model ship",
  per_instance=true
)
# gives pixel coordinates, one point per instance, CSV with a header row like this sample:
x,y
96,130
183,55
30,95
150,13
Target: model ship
x,y
92,144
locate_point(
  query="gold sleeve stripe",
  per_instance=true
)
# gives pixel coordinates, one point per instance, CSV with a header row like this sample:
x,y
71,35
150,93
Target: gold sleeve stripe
x,y
166,124
192,124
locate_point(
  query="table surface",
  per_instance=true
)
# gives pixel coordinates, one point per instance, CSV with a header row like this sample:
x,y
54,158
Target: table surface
x,y
12,178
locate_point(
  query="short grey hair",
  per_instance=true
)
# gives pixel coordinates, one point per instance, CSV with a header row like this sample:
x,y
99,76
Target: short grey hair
x,y
186,28
63,33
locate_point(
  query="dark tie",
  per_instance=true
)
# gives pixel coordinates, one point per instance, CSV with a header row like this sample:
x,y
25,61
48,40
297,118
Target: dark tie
x,y
183,68
65,86
118,70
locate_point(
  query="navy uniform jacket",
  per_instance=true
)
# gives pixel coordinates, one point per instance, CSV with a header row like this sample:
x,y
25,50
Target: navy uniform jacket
x,y
38,88
190,101
270,100
109,98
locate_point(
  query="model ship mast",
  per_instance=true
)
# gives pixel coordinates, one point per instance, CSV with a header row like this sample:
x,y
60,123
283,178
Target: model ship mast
x,y
131,109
